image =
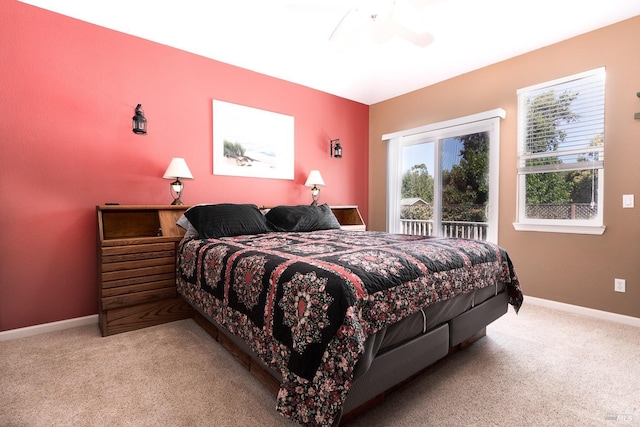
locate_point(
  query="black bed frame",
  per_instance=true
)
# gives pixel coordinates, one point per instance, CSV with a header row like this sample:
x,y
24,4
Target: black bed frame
x,y
390,369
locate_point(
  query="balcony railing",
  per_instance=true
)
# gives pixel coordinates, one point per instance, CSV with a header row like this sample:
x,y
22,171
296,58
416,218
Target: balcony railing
x,y
464,229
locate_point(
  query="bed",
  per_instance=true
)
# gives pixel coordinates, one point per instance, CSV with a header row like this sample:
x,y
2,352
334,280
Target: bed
x,y
336,317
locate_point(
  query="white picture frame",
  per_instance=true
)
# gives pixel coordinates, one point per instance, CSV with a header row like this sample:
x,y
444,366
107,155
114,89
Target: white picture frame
x,y
259,143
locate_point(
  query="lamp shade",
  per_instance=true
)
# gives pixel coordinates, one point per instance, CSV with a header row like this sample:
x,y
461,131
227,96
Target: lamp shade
x,y
314,179
178,169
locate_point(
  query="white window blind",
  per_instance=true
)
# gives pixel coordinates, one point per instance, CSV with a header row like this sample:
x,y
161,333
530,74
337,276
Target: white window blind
x,y
561,154
555,139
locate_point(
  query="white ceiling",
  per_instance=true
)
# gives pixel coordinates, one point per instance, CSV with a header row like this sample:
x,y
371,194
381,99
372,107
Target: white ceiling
x,y
289,39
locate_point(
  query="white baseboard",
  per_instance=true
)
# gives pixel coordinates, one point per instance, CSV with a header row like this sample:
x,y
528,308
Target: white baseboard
x,y
576,309
88,320
29,331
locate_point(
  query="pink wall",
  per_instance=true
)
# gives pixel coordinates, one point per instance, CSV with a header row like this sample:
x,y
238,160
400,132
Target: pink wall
x,y
68,92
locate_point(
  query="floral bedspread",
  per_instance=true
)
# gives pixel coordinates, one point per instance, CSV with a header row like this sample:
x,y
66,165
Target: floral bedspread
x,y
306,302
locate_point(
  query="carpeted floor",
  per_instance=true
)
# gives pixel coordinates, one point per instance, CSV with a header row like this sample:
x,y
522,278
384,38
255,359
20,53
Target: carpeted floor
x,y
539,368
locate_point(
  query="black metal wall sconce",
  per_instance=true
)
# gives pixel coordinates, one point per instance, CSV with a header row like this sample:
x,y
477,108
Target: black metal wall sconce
x,y
637,115
139,121
335,148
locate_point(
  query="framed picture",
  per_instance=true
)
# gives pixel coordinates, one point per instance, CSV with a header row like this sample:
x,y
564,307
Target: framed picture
x,y
252,142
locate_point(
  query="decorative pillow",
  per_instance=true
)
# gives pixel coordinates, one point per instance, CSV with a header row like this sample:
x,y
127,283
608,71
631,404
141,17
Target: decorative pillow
x,y
225,219
184,223
302,218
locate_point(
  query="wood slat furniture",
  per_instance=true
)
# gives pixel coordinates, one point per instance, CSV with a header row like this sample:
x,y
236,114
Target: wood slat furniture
x,y
136,267
136,264
349,218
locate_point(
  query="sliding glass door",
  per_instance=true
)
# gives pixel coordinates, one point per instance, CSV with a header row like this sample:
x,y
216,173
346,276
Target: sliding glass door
x,y
445,182
465,186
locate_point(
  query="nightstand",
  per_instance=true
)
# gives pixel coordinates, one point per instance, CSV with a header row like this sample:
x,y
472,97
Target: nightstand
x,y
349,218
137,266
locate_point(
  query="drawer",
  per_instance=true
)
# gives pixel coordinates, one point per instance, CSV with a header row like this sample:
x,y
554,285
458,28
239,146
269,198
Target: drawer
x,y
115,257
144,315
142,248
137,264
122,277
136,256
148,284
128,299
168,276
133,252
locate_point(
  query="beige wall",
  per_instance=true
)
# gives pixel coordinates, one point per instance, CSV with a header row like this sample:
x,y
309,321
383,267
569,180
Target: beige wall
x,y
574,269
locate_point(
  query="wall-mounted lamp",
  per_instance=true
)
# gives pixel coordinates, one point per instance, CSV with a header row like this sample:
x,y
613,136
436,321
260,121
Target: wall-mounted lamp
x,y
313,181
139,121
177,169
336,148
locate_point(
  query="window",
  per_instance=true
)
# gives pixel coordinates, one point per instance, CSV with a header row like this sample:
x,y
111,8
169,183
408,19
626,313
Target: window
x,y
561,155
443,178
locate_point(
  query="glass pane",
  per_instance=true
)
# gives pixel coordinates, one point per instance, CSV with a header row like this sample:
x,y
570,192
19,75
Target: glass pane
x,y
565,161
562,195
416,210
465,186
566,116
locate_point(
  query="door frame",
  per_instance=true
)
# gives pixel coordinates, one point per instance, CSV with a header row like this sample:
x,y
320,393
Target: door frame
x,y
488,121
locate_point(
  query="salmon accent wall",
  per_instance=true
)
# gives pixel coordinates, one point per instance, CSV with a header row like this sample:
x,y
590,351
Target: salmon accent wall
x,y
569,268
69,90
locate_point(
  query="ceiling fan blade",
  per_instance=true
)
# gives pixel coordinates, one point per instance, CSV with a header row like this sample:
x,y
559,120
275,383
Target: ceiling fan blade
x,y
419,39
337,27
382,29
382,26
420,4
385,29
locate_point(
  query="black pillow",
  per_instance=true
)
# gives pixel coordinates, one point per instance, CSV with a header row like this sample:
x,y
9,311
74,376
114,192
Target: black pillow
x,y
226,219
302,218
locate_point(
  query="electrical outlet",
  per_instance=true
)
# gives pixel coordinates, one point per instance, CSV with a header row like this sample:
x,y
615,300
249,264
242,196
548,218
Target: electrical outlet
x,y
619,285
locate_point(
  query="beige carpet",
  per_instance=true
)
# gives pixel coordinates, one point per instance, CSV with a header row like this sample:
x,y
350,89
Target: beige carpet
x,y
539,368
